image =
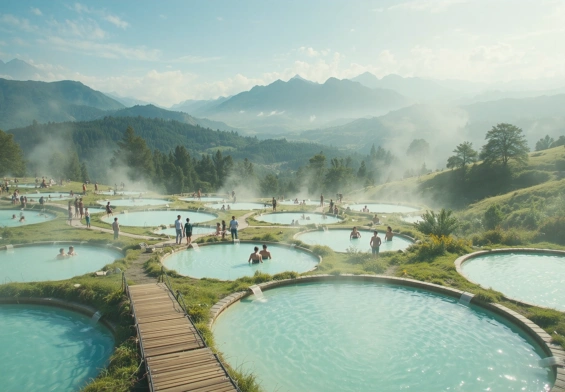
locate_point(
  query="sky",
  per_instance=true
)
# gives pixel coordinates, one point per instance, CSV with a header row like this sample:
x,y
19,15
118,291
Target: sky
x,y
170,51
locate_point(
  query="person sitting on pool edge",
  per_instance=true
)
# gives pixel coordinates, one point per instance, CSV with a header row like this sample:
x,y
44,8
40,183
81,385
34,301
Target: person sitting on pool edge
x,y
72,251
255,257
354,234
62,254
376,220
265,254
389,234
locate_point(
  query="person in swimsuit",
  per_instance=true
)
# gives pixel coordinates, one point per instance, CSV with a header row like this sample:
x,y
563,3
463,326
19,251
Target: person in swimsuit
x,y
218,229
22,219
375,244
389,234
87,217
109,209
255,257
354,234
62,254
265,254
71,251
188,231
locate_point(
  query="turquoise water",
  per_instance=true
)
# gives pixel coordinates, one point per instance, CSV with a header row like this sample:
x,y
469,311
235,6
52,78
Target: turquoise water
x,y
156,218
50,349
31,217
203,199
195,230
371,337
134,202
308,202
228,262
376,208
38,263
338,240
243,206
54,196
285,218
535,278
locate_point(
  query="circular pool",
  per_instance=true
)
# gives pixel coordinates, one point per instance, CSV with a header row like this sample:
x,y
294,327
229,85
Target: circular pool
x,y
203,199
35,263
34,197
134,202
536,278
196,230
31,217
120,193
156,218
338,240
380,208
376,337
50,349
240,206
230,261
307,201
286,218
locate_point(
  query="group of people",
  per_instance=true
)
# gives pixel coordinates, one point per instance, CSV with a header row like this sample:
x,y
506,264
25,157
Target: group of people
x,y
70,253
258,256
185,230
375,241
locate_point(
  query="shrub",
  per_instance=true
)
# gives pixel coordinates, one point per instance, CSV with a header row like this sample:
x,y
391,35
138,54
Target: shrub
x,y
492,217
560,165
488,296
322,250
285,275
552,230
441,224
436,246
377,266
355,256
511,238
268,237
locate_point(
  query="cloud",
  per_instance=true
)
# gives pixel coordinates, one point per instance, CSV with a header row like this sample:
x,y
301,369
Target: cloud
x,y
310,52
116,21
432,6
21,24
195,59
36,11
84,28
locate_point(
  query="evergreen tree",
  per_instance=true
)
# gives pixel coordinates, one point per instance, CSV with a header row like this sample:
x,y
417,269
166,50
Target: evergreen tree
x,y
73,167
505,142
11,156
464,154
269,185
418,149
362,172
134,154
544,143
84,173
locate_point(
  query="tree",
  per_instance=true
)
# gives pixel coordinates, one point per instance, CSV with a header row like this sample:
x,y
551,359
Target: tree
x,y
505,142
11,156
134,154
84,173
73,169
559,142
493,217
441,224
464,154
362,172
544,143
419,149
269,185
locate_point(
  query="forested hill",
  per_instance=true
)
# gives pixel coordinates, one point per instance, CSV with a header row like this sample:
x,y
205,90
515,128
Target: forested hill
x,y
90,138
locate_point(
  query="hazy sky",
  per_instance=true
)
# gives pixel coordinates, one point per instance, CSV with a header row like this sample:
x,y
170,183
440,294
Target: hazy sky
x,y
172,50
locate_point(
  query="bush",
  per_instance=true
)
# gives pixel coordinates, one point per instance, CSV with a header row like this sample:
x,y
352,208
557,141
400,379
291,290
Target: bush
x,y
285,275
552,230
377,266
268,237
526,219
440,224
322,250
560,165
436,246
355,256
488,296
492,217
511,238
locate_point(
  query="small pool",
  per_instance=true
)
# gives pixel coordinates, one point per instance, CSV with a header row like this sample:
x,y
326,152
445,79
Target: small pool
x,y
376,337
229,261
338,240
39,262
31,217
412,219
203,199
536,278
121,193
308,202
156,218
54,196
196,230
378,208
286,218
134,202
50,349
243,206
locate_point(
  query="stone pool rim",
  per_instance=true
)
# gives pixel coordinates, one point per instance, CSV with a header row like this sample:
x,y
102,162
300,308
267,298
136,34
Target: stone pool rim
x,y
360,228
542,338
390,203
462,259
341,219
292,246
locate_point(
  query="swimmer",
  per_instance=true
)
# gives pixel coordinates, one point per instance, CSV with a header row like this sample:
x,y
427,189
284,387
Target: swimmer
x,y
292,223
61,254
22,219
71,251
354,234
223,207
389,234
255,257
14,216
265,254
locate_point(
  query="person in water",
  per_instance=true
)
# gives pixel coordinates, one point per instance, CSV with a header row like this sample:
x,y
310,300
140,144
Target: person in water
x,y
265,254
375,243
354,234
71,251
255,257
62,254
22,219
389,234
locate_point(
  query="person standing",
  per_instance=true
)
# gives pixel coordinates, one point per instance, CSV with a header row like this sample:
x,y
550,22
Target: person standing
x,y
233,228
188,231
70,215
321,200
109,209
116,228
274,204
81,208
84,189
375,243
87,217
178,228
223,229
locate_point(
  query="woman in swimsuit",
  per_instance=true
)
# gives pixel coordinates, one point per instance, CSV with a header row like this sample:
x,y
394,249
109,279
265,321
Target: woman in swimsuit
x,y
255,257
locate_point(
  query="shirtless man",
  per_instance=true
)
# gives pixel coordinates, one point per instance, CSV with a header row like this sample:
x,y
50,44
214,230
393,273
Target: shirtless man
x,y
71,251
389,234
62,254
265,254
255,257
375,243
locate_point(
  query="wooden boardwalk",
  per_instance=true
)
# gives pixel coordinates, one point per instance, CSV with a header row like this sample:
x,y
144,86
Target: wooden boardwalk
x,y
175,355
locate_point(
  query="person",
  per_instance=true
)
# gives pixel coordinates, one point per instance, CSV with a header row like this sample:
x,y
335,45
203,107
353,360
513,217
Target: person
x,y
70,216
292,223
72,251
61,254
365,209
296,201
274,204
321,200
116,228
22,219
233,228
223,229
389,234
76,207
81,208
178,228
84,189
376,219
109,209
199,194
354,234
87,217
375,243
188,231
14,216
336,211
265,254
303,217
223,207
218,229
255,257
96,187
331,204
41,201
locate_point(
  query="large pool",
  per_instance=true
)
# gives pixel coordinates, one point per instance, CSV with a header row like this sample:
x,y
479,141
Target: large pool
x,y
243,206
535,278
134,202
120,193
338,240
307,201
377,208
54,196
203,199
156,218
50,349
31,217
196,230
229,261
375,337
286,218
40,262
